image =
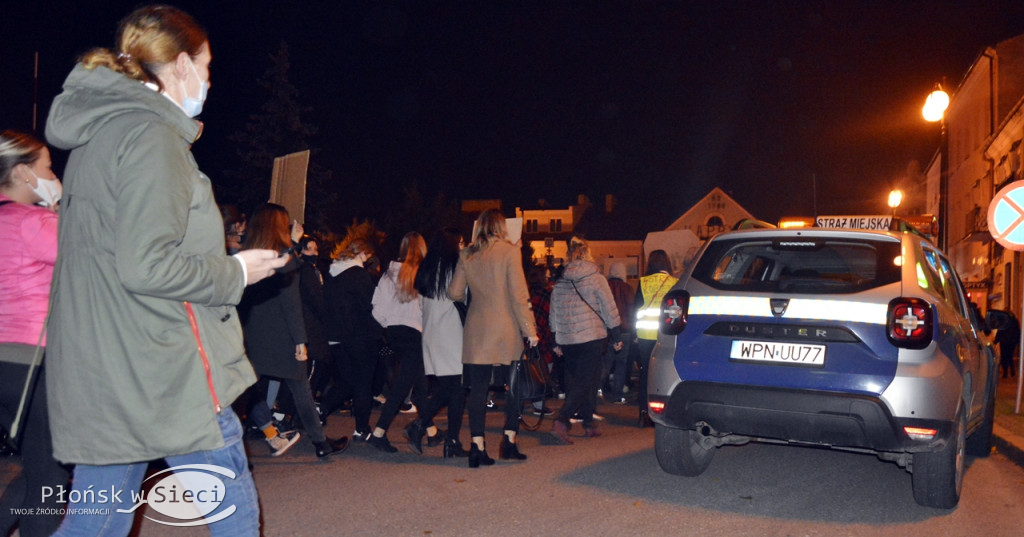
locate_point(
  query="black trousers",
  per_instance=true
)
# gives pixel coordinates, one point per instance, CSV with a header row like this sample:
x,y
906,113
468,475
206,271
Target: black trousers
x,y
38,467
407,343
353,364
478,377
644,348
449,391
582,369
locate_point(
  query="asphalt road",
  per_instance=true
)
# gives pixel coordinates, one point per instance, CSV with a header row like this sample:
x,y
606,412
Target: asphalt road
x,y
612,486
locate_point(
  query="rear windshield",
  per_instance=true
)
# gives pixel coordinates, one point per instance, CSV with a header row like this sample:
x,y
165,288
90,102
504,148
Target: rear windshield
x,y
799,265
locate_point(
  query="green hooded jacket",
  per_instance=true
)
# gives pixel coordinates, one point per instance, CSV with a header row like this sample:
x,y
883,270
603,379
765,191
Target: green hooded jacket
x,y
140,234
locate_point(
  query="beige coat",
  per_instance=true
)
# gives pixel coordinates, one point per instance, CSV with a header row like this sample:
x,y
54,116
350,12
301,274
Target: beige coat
x,y
499,311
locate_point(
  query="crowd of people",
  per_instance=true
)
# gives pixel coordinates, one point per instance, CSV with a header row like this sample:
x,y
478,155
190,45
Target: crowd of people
x,y
141,321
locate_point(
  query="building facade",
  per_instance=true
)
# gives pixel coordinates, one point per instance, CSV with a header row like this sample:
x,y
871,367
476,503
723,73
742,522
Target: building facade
x,y
984,129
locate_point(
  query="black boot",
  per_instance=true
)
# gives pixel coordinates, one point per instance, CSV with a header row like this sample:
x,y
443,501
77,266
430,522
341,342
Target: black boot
x,y
330,447
436,440
414,434
452,448
510,451
381,443
478,456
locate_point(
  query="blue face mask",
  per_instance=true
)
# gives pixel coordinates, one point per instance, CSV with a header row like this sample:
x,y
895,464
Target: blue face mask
x,y
193,106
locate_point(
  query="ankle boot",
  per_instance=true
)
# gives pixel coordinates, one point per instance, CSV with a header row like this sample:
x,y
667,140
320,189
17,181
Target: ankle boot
x,y
437,439
510,450
478,456
560,431
452,448
414,434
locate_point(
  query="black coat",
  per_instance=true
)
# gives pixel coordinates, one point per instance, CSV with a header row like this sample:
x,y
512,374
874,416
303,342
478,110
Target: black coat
x,y
314,310
349,298
271,315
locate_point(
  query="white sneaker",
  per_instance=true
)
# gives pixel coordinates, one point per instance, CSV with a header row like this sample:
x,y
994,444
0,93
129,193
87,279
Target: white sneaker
x,y
281,443
410,410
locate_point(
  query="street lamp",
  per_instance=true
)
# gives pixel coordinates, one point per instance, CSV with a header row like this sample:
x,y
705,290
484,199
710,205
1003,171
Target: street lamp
x,y
895,197
935,110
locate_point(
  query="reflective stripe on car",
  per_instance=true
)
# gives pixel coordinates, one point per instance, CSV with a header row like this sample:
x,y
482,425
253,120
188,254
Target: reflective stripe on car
x,y
799,308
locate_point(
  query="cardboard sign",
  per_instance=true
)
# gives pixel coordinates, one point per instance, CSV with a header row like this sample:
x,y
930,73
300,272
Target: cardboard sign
x,y
288,184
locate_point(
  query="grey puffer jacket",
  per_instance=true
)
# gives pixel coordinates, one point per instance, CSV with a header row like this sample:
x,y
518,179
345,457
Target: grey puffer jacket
x,y
574,321
140,234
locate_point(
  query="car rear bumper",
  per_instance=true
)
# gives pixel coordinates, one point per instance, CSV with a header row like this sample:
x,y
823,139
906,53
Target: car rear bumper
x,y
798,416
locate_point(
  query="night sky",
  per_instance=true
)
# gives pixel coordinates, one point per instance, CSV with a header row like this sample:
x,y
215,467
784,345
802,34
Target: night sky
x,y
653,102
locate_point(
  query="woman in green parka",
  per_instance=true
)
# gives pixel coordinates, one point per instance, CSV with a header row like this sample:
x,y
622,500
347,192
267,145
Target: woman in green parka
x,y
145,350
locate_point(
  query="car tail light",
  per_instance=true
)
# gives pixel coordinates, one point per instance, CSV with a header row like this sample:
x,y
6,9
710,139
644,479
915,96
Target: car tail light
x,y
910,323
673,312
919,433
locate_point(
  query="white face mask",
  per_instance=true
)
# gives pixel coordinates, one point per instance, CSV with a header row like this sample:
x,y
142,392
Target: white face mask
x,y
193,106
48,189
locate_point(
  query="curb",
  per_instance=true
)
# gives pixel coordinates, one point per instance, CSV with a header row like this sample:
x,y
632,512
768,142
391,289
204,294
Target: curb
x,y
1007,444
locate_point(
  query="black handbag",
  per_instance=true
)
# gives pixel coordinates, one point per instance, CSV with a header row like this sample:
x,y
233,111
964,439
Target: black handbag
x,y
529,379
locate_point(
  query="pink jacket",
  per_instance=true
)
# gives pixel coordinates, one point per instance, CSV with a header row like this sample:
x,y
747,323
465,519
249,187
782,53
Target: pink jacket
x,y
28,251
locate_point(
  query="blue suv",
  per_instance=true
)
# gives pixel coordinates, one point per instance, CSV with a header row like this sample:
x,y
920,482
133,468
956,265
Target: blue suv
x,y
852,340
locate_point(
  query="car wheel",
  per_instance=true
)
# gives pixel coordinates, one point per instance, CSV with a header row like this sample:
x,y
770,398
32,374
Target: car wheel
x,y
979,444
938,476
680,451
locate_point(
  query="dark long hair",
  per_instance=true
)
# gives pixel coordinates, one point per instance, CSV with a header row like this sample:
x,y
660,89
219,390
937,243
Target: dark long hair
x,y
658,261
439,265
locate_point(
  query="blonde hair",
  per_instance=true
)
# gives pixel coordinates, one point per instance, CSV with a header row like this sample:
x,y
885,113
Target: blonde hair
x,y
17,148
147,39
578,249
410,255
490,226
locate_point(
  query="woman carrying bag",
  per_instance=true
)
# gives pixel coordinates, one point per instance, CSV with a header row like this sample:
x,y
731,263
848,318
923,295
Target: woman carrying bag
x,y
583,313
28,250
499,317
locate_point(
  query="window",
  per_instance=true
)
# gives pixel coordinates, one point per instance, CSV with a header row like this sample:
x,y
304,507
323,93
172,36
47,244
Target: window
x,y
818,266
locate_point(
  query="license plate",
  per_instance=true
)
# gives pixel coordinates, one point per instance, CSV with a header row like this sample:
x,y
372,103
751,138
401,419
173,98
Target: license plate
x,y
778,353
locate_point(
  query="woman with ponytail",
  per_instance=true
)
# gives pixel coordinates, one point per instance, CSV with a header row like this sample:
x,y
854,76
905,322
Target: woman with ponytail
x,y
144,349
397,307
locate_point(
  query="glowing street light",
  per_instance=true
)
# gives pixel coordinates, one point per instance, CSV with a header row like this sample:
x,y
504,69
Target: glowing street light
x,y
895,198
935,110
935,105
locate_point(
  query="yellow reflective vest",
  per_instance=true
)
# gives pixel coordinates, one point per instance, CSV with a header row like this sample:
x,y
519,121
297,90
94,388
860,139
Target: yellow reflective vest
x,y
654,288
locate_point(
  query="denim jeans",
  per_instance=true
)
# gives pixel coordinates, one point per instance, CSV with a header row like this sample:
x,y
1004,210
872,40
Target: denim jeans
x,y
127,478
